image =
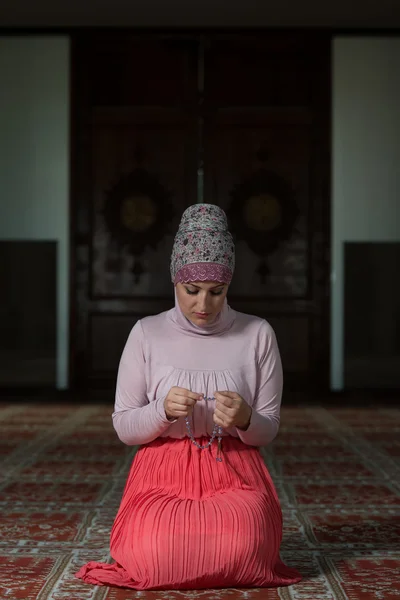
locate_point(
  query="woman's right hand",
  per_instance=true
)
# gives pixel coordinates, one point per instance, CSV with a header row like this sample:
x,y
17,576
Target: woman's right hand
x,y
180,403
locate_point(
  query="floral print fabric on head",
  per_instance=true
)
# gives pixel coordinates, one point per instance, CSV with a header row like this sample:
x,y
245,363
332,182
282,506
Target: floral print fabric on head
x,y
203,248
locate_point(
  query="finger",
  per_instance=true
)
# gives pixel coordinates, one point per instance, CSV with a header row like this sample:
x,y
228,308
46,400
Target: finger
x,y
218,420
182,401
227,406
227,402
180,415
182,411
224,396
187,394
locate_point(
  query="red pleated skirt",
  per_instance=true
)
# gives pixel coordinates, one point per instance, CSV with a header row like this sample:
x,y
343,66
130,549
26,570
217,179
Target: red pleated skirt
x,y
187,521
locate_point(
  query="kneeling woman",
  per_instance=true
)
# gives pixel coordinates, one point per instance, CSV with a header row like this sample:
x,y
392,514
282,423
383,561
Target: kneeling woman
x,y
199,389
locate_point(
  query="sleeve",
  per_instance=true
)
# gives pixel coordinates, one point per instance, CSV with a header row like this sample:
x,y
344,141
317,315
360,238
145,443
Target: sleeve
x,y
135,419
265,417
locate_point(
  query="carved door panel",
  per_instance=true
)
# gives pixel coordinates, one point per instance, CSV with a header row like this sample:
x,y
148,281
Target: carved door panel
x,y
155,117
135,150
266,162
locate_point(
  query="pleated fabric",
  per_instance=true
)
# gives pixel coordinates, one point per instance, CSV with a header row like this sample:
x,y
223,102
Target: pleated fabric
x,y
187,521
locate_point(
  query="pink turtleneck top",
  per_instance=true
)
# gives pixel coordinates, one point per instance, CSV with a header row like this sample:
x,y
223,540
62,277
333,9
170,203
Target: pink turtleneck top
x,y
237,353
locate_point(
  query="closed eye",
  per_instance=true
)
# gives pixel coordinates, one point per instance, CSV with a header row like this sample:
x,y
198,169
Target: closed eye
x,y
194,292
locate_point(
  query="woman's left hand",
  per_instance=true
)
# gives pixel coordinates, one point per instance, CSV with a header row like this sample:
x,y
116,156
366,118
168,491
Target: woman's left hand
x,y
231,410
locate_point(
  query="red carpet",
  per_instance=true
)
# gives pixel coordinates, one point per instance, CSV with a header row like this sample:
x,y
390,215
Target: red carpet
x,y
337,473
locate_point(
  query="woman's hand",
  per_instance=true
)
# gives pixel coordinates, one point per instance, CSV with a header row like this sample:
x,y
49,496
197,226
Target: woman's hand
x,y
231,410
180,403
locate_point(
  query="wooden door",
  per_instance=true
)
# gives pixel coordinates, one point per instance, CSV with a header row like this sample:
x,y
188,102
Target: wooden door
x,y
155,116
266,162
135,172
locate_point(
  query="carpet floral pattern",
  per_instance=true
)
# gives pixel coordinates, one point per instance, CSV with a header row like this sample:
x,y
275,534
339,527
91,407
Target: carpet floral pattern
x,y
337,473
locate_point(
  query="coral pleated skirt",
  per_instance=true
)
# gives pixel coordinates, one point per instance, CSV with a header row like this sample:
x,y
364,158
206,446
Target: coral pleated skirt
x,y
187,521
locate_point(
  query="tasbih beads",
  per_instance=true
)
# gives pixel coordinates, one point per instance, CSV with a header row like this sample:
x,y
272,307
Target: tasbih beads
x,y
217,431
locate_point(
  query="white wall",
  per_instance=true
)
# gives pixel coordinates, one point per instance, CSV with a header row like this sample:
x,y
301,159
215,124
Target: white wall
x,y
366,159
34,156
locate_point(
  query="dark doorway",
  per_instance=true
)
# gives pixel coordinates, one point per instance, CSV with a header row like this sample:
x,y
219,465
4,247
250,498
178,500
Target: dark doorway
x,y
164,120
28,307
372,315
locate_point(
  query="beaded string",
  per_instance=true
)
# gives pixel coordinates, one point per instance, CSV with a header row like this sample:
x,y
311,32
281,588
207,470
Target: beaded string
x,y
217,431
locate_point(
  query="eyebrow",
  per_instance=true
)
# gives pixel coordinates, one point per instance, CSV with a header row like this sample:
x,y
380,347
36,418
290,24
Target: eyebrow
x,y
213,288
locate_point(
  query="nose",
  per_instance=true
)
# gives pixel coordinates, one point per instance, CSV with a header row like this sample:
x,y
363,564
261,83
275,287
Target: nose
x,y
203,303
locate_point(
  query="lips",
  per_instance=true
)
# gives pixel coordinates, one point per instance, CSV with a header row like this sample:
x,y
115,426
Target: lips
x,y
202,315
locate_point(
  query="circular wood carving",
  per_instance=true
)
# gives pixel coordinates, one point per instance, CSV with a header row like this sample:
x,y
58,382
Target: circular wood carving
x,y
137,211
263,211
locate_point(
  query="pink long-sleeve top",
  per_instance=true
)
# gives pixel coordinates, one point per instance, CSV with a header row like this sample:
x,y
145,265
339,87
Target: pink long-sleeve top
x,y
238,354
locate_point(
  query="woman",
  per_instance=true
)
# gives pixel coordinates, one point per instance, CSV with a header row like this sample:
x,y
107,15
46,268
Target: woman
x,y
199,389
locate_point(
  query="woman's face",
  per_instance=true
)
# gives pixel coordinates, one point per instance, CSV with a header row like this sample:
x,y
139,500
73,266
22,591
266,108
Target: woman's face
x,y
201,301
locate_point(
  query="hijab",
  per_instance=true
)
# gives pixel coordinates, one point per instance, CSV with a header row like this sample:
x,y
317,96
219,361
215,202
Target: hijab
x,y
203,250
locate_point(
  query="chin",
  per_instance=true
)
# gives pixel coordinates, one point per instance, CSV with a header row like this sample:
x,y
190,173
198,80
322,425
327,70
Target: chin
x,y
202,322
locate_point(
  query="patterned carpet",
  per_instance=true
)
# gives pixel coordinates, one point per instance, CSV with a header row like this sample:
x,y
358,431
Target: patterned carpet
x,y
337,473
